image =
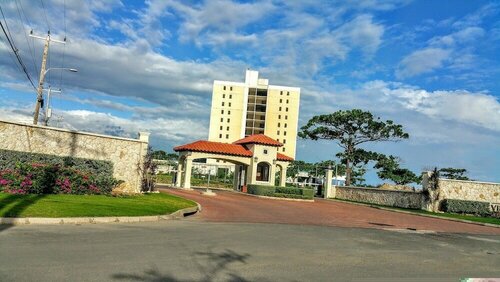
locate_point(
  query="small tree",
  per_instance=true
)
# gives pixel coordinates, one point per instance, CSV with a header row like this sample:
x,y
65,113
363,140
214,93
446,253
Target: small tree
x,y
148,170
350,129
454,173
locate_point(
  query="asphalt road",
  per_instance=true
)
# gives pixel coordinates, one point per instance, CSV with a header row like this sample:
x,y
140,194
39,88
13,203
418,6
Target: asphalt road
x,y
195,250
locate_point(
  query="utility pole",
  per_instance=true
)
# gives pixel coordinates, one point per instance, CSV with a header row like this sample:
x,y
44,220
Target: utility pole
x,y
48,110
43,72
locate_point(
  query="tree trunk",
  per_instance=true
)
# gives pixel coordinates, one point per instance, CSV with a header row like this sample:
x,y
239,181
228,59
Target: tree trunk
x,y
347,173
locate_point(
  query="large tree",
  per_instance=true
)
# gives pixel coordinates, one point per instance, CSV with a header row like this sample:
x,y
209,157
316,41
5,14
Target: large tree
x,y
454,173
389,169
350,129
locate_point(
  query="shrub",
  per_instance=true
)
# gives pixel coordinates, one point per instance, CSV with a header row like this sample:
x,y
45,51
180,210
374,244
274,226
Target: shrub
x,y
466,207
53,179
11,160
281,192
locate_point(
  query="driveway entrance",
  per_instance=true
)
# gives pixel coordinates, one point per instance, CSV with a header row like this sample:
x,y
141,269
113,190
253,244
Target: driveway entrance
x,y
236,207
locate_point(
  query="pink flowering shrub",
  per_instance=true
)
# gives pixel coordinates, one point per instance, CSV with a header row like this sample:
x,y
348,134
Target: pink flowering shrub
x,y
53,179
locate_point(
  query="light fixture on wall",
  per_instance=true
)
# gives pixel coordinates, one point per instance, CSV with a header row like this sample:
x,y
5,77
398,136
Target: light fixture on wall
x,y
255,159
274,162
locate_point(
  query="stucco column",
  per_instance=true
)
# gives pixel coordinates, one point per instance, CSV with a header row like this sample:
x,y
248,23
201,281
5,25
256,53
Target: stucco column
x,y
178,174
187,173
236,176
329,189
283,176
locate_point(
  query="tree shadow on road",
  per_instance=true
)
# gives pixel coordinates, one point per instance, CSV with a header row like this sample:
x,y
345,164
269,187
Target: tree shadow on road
x,y
215,265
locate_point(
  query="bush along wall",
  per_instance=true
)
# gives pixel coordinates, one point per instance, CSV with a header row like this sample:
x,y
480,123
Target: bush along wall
x,y
466,207
281,192
25,173
11,160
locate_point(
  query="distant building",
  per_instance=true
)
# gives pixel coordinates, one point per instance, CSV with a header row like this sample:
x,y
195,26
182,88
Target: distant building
x,y
241,109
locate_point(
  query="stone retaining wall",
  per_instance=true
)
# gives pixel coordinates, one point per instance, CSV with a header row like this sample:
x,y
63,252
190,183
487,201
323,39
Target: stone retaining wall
x,y
393,198
469,190
126,154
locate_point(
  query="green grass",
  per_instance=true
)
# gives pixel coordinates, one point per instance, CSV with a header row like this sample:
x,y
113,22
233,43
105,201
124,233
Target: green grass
x,y
89,205
490,220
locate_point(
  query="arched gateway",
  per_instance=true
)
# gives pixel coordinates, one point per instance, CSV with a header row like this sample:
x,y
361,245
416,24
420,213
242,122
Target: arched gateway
x,y
256,158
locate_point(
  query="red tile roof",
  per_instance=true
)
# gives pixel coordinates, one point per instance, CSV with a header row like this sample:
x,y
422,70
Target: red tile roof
x,y
215,148
259,139
282,157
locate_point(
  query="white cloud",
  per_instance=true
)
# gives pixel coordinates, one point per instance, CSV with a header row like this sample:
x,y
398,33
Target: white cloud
x,y
422,61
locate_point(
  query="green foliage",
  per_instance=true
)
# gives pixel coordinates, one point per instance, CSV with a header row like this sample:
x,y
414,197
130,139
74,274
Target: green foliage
x,y
466,207
351,128
162,155
389,169
11,159
148,171
53,179
283,192
318,168
454,173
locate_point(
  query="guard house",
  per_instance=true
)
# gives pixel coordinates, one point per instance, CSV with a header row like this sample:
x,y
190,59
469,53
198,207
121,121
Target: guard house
x,y
256,159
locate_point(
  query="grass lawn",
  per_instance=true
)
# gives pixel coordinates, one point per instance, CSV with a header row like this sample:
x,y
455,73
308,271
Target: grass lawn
x,y
490,220
89,205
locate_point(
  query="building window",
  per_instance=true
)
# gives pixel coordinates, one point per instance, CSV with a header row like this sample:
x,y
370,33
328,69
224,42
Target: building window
x,y
230,96
279,116
281,100
288,93
262,172
280,108
224,87
229,104
221,127
283,149
287,101
284,141
227,136
284,133
285,125
231,88
281,92
222,111
223,104
279,124
286,117
286,109
278,132
265,151
228,120
220,136
227,128
221,119
229,112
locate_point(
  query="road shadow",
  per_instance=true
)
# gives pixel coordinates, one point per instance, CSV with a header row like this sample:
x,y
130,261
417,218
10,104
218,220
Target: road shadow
x,y
14,205
210,264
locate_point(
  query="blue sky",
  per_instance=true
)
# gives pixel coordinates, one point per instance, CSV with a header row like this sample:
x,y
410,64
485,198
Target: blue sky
x,y
432,66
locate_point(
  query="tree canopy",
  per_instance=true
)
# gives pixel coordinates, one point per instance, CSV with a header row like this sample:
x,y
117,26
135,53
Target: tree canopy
x,y
349,129
454,173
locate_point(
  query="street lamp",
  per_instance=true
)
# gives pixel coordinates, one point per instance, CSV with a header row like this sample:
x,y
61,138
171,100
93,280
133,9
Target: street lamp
x,y
39,99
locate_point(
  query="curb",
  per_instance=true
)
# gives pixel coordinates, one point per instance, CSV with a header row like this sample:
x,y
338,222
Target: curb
x,y
93,220
418,214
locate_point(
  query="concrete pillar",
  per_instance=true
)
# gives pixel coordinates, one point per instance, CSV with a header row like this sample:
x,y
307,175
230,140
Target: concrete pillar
x,y
187,173
329,189
236,176
144,136
178,174
283,176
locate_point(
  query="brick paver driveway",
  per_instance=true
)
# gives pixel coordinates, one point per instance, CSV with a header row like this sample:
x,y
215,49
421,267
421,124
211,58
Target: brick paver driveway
x,y
236,207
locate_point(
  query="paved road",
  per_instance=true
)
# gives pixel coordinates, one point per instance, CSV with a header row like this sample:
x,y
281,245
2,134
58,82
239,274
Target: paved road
x,y
194,250
235,207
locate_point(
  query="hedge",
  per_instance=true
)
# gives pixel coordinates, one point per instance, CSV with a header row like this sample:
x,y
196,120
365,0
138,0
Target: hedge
x,y
466,207
12,159
281,192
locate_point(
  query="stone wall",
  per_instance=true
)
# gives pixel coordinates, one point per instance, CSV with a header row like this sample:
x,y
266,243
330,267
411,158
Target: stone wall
x,y
126,154
393,198
469,190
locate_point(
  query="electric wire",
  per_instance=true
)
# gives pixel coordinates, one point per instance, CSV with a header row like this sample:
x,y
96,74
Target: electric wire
x,y
32,54
14,49
45,14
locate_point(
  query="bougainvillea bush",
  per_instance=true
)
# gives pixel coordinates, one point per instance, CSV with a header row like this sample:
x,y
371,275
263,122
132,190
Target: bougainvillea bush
x,y
38,178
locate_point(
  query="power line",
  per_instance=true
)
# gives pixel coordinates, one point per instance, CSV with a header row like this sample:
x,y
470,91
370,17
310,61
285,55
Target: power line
x,y
14,49
35,67
45,14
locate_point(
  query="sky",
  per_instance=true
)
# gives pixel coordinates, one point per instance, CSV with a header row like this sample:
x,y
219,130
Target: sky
x,y
432,66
